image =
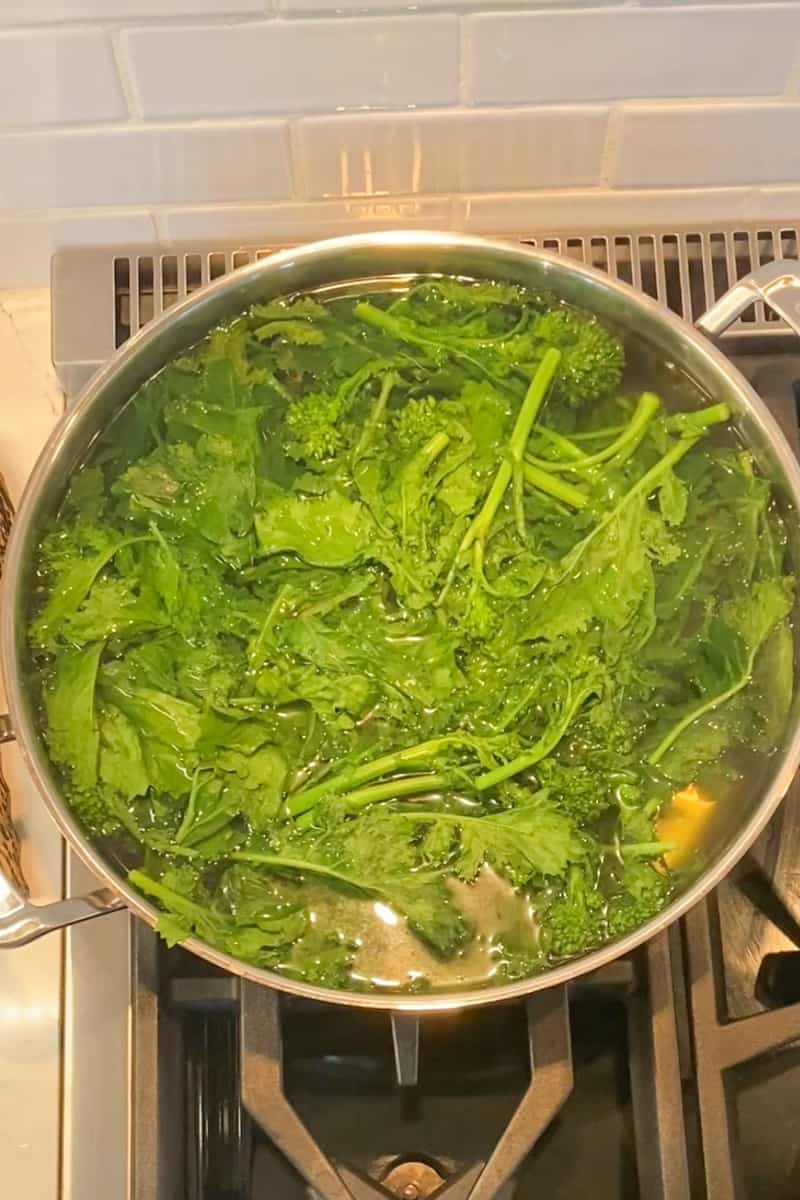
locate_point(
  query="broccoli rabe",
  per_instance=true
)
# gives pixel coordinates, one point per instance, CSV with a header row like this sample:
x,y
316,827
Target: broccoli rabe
x,y
575,923
592,359
417,421
581,791
644,891
313,425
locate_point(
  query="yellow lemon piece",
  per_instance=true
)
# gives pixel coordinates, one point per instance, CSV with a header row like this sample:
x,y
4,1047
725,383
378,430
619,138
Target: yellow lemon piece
x,y
684,822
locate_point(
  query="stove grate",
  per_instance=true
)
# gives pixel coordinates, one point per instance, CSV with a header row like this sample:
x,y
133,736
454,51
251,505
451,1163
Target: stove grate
x,y
102,297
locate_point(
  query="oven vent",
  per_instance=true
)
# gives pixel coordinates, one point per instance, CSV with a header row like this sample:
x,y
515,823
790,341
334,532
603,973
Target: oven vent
x,y
687,271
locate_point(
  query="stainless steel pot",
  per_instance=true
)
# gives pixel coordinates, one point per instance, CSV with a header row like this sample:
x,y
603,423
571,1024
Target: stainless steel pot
x,y
335,262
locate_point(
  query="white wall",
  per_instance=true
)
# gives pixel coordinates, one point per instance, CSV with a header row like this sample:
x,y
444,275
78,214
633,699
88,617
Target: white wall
x,y
143,120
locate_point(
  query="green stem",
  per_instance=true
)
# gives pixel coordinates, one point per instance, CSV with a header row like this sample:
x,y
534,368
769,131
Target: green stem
x,y
411,785
196,913
400,326
405,331
561,443
623,446
543,747
627,441
256,656
559,489
534,398
645,849
353,382
510,468
702,418
354,587
388,764
375,417
590,435
298,864
188,816
699,710
414,470
392,789
643,487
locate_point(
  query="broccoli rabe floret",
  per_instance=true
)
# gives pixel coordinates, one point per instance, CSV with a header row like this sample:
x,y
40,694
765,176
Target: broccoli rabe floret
x,y
417,421
580,791
575,922
592,359
643,892
314,424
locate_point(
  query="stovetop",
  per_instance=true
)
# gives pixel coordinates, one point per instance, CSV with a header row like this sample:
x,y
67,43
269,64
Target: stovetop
x,y
669,1075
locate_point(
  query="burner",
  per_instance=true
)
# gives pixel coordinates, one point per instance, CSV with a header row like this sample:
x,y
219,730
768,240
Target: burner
x,y
410,1180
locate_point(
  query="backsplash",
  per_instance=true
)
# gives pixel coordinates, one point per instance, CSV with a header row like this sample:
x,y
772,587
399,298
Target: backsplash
x,y
134,121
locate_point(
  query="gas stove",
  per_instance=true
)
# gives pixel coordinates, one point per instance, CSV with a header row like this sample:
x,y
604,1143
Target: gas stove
x,y
669,1075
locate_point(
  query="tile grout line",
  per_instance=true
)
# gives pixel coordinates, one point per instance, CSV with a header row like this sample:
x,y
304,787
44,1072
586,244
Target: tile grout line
x,y
127,82
297,165
464,60
792,87
611,149
136,121
103,211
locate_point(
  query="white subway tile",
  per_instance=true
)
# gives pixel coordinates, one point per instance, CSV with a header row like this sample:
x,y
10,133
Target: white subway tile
x,y
707,145
452,151
531,148
286,224
27,241
778,204
134,166
620,53
29,12
286,66
379,154
55,76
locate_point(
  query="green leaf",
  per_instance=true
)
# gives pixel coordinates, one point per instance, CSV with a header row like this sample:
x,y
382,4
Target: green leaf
x,y
328,531
673,499
205,488
520,843
773,675
122,764
262,776
298,332
729,651
74,576
72,731
157,714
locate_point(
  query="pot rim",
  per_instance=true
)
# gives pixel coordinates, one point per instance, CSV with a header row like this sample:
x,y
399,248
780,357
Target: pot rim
x,y
11,635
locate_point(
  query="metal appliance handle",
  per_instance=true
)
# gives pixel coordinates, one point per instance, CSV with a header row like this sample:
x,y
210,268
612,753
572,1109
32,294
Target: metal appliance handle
x,y
22,921
776,283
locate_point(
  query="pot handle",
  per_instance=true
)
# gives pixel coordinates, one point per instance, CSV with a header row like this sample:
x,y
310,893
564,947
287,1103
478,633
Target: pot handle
x,y
776,283
21,920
